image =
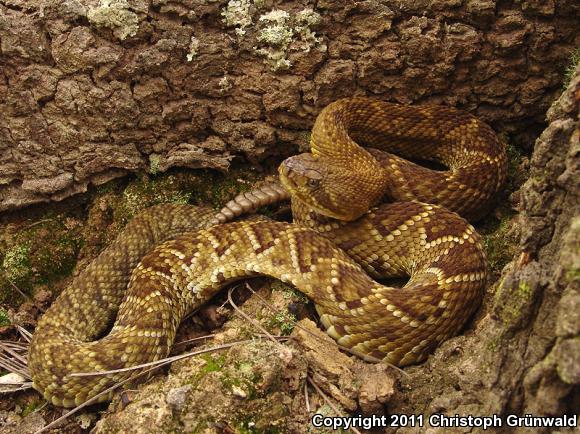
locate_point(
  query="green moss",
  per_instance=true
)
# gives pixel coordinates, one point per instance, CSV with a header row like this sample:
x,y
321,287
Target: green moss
x,y
201,426
31,407
154,160
145,192
16,263
571,68
207,188
516,175
113,186
4,320
241,376
520,298
200,187
44,250
493,344
499,243
510,306
573,275
288,292
284,321
213,363
216,189
38,254
500,236
58,259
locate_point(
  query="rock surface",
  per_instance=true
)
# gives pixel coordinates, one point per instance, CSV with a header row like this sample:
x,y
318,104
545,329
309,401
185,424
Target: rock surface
x,y
94,89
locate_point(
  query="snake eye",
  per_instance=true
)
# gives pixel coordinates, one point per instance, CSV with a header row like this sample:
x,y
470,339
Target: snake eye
x,y
313,183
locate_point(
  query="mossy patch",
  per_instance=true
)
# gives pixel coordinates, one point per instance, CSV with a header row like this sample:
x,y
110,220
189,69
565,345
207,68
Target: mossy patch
x,y
573,275
213,363
516,174
216,189
31,407
44,249
202,188
4,319
512,302
500,242
37,254
279,315
209,363
500,232
288,292
242,376
145,192
16,262
235,373
571,68
283,321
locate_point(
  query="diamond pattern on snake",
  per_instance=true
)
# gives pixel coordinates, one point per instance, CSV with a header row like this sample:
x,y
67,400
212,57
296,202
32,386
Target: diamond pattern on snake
x,y
360,213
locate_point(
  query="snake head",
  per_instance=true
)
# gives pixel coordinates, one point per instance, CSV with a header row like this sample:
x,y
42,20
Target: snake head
x,y
330,190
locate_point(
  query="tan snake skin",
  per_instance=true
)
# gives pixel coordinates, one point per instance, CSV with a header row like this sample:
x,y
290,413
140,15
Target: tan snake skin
x,y
439,250
356,179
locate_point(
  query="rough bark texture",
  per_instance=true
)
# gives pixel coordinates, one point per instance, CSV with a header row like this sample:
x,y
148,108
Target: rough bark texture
x,y
94,89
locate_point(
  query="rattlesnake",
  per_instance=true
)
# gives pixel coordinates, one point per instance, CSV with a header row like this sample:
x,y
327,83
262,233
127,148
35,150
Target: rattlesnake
x,y
439,250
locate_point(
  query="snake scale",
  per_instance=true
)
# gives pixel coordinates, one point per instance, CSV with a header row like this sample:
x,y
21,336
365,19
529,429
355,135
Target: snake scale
x,y
171,259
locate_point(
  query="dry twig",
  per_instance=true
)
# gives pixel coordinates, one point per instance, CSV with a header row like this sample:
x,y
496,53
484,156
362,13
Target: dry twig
x,y
13,358
250,319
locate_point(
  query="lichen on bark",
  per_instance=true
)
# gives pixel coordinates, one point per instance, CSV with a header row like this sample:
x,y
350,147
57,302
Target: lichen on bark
x,y
90,89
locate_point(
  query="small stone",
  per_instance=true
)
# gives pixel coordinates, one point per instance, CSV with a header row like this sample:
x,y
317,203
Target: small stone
x,y
11,382
176,397
239,392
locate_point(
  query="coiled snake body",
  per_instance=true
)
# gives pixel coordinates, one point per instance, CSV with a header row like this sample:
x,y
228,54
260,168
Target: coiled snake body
x,y
439,250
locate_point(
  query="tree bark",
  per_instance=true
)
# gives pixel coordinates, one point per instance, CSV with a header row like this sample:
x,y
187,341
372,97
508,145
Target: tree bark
x,y
93,89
